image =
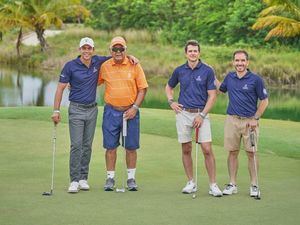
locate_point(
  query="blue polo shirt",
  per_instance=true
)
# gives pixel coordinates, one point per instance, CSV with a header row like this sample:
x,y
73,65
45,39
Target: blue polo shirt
x,y
243,93
194,84
83,80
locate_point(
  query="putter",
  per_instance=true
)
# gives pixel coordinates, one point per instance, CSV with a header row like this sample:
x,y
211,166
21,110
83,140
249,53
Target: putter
x,y
53,162
196,161
253,145
124,134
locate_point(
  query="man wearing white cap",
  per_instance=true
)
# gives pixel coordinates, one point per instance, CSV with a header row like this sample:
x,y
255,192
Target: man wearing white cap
x,y
82,75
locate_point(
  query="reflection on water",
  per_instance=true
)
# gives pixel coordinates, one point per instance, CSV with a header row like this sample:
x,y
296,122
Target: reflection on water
x,y
19,89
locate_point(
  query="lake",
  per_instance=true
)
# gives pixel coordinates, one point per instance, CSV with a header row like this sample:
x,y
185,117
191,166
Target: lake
x,y
30,89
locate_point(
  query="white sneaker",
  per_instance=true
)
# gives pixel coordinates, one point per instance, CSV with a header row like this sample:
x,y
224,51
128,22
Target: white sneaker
x,y
189,188
254,191
215,190
74,187
230,189
83,185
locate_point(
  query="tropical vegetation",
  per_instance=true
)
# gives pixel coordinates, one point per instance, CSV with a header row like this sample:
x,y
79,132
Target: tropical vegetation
x,y
38,15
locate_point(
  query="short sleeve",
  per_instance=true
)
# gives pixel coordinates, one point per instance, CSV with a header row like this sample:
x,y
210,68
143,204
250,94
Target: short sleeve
x,y
261,89
140,78
173,81
211,80
65,75
223,86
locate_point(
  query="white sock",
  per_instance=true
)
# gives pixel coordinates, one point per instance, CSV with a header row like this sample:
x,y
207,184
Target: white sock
x,y
131,173
110,174
212,184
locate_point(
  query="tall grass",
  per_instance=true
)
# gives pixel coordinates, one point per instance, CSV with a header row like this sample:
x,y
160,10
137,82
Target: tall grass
x,y
278,66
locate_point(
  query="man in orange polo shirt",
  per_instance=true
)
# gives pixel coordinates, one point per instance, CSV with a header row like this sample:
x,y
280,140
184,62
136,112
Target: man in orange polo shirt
x,y
125,89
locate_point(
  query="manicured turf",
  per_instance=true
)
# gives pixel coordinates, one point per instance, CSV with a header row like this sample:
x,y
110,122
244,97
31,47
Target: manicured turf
x,y
25,172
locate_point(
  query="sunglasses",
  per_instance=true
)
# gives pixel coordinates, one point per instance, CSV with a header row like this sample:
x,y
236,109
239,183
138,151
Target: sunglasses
x,y
115,49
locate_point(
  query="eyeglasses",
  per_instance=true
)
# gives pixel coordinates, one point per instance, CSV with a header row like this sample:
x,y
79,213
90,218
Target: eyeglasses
x,y
115,49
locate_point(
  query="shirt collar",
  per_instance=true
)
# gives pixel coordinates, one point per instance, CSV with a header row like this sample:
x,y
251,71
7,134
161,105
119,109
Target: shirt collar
x,y
244,77
186,65
77,60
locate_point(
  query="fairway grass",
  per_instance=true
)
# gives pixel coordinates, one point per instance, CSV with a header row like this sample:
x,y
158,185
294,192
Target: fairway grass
x,y
25,172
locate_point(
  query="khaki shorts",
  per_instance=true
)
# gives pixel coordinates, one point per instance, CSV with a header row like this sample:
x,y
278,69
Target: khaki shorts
x,y
236,129
184,124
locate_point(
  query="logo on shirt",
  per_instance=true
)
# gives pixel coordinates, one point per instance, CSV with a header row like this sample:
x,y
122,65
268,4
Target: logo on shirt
x,y
198,78
62,75
95,70
245,87
265,91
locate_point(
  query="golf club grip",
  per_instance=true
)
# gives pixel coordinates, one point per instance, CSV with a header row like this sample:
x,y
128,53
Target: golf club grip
x,y
124,131
252,138
197,135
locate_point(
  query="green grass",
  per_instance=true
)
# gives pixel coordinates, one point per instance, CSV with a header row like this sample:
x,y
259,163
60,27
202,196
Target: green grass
x,y
26,148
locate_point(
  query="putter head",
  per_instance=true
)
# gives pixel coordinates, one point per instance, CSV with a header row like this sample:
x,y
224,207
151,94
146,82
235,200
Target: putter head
x,y
120,190
47,193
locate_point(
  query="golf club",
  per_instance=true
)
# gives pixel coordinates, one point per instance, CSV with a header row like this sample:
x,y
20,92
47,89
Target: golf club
x,y
196,161
53,162
253,145
124,134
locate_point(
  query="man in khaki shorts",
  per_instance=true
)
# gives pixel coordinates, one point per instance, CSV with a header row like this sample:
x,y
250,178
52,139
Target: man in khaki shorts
x,y
196,98
244,90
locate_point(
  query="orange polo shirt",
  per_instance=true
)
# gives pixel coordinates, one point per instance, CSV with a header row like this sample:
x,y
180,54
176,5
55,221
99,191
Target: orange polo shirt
x,y
122,82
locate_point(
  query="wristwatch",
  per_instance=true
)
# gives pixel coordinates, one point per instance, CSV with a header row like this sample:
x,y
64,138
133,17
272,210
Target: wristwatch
x,y
135,107
170,101
203,115
256,117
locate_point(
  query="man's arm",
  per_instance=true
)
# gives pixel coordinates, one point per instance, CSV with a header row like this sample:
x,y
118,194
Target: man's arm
x,y
212,96
174,105
130,113
133,60
263,104
57,100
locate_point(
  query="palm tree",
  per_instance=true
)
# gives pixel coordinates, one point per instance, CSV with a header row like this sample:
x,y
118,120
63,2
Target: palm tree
x,y
38,15
283,16
11,17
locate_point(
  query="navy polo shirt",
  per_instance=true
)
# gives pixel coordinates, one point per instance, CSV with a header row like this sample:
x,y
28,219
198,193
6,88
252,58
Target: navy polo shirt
x,y
194,84
83,80
243,93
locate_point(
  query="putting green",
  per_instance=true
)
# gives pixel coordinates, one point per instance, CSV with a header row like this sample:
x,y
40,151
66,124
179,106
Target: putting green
x,y
25,172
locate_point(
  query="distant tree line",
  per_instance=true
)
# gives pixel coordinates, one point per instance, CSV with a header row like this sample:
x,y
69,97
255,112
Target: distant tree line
x,y
212,22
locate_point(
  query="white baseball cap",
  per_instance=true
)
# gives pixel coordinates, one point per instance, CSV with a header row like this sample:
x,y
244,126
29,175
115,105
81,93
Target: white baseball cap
x,y
86,41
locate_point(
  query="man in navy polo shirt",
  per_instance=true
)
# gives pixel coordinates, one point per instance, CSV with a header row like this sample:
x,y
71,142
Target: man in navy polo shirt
x,y
244,90
196,98
82,75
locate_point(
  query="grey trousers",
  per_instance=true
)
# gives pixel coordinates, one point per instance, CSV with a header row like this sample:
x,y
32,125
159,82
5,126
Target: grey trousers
x,y
82,124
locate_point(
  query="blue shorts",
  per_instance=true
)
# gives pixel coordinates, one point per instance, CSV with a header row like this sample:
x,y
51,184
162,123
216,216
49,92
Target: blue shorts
x,y
112,126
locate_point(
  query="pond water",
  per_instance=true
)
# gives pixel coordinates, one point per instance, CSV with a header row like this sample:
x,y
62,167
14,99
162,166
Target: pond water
x,y
30,89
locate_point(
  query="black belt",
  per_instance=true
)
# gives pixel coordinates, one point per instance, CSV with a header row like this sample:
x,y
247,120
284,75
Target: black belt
x,y
194,110
87,106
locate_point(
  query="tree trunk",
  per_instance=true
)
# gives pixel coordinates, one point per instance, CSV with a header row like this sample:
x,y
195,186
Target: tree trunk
x,y
19,41
40,35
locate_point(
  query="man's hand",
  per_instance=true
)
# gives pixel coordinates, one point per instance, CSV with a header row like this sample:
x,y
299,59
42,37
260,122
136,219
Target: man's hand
x,y
176,107
133,60
130,113
253,124
197,121
56,117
